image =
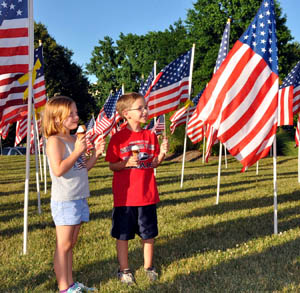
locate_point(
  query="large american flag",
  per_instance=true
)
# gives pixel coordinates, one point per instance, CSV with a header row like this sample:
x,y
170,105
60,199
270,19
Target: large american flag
x,y
170,87
106,119
145,86
289,97
14,40
180,116
241,100
12,90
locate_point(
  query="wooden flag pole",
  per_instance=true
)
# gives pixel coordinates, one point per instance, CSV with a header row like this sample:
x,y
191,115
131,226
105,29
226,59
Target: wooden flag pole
x,y
187,117
27,174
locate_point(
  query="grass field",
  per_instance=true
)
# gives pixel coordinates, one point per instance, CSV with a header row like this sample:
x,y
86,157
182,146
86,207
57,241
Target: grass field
x,y
201,247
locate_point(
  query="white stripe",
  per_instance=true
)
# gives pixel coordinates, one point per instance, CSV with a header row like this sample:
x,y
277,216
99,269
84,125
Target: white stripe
x,y
18,59
11,97
14,23
286,107
13,42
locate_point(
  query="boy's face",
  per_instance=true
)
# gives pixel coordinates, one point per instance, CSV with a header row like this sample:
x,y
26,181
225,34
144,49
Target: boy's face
x,y
138,112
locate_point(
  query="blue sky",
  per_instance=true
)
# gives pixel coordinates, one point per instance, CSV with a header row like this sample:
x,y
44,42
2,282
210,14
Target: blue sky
x,y
78,25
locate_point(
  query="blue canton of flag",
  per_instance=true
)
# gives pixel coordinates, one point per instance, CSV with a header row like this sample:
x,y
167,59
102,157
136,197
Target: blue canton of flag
x,y
110,104
38,54
195,100
224,46
146,85
293,78
261,36
13,9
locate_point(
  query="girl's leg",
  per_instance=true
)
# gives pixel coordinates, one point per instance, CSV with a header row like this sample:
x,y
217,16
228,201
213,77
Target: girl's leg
x,y
70,254
122,251
64,238
148,247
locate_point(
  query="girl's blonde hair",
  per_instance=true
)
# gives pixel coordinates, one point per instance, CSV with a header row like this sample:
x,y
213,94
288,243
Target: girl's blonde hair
x,y
126,100
56,111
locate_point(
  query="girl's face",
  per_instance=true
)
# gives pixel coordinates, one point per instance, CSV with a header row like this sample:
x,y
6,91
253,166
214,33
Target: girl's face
x,y
71,122
138,112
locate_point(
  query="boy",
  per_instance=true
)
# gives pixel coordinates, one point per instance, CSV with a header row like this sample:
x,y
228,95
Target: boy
x,y
134,186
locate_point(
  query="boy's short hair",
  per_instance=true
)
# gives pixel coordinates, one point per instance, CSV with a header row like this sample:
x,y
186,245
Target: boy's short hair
x,y
126,100
57,109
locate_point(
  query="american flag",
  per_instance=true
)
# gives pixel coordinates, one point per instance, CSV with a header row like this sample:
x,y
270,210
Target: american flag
x,y
170,87
106,119
157,126
179,117
4,130
14,37
195,128
13,91
289,97
211,133
145,86
241,100
21,130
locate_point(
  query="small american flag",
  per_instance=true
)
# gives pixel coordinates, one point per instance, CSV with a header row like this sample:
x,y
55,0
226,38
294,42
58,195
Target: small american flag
x,y
289,97
21,130
145,86
158,126
170,87
4,130
14,39
179,117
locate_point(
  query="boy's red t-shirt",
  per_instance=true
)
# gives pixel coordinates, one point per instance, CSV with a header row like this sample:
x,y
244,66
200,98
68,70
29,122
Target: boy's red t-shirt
x,y
134,186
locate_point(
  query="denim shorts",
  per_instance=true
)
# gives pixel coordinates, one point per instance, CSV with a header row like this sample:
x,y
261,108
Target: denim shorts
x,y
69,213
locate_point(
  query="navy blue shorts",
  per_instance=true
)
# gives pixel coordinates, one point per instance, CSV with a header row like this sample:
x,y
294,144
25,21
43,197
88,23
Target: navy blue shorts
x,y
128,221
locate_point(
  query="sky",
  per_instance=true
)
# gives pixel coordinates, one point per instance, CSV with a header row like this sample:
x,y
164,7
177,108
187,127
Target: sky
x,y
79,25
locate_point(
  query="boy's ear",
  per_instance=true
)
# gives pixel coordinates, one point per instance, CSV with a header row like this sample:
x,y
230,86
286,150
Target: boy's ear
x,y
125,113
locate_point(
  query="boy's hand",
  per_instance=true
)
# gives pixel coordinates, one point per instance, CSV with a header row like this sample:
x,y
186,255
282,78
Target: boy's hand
x,y
132,162
164,147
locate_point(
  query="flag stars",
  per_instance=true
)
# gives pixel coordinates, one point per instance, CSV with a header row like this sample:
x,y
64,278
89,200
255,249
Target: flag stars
x,y
4,4
263,50
262,25
12,7
19,12
266,4
253,26
261,16
263,41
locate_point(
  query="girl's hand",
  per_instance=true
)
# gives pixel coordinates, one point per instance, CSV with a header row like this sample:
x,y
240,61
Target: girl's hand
x,y
164,147
100,147
80,144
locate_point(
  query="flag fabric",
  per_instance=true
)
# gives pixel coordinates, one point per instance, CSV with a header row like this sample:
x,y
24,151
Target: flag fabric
x,y
145,86
195,128
241,100
170,87
289,97
106,119
4,130
212,138
179,117
14,36
21,130
12,103
159,126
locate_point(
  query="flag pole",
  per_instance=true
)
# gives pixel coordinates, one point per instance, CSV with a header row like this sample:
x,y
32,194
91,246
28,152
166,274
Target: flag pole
x,y
257,163
37,175
225,156
203,151
298,124
187,116
45,164
154,77
27,174
275,185
219,174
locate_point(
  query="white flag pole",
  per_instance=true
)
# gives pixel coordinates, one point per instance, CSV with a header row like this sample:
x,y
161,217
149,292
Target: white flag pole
x,y
225,156
275,185
45,164
219,174
35,139
27,174
154,77
203,151
187,117
257,163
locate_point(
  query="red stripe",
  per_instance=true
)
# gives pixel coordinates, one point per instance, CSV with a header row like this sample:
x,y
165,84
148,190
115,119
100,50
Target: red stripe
x,y
15,68
14,51
13,90
9,80
14,33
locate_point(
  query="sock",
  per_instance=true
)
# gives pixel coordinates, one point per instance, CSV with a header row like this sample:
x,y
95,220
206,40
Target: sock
x,y
63,291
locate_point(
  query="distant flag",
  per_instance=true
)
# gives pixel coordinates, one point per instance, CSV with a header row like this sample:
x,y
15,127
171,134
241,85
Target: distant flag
x,y
145,86
289,97
4,130
241,100
179,117
157,126
21,130
211,135
13,88
106,118
170,87
14,37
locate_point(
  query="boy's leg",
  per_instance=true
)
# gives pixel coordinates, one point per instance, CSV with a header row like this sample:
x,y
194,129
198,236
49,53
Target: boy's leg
x,y
148,248
122,251
64,238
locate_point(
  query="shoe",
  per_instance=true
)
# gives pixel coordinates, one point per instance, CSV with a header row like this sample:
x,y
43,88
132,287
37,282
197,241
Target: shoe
x,y
126,276
85,288
151,273
75,289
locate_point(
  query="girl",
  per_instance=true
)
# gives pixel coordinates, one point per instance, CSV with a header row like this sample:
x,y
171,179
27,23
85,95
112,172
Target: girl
x,y
70,188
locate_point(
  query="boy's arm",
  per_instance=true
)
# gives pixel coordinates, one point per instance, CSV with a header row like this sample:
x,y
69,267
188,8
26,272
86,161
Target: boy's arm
x,y
118,166
164,148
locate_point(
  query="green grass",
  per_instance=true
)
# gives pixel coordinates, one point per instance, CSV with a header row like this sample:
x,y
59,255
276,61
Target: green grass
x,y
201,247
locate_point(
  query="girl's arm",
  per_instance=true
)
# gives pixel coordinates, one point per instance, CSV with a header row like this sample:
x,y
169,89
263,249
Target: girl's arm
x,y
99,149
55,149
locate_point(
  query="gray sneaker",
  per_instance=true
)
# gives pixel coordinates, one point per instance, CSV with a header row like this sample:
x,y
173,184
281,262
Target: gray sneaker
x,y
151,273
126,276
